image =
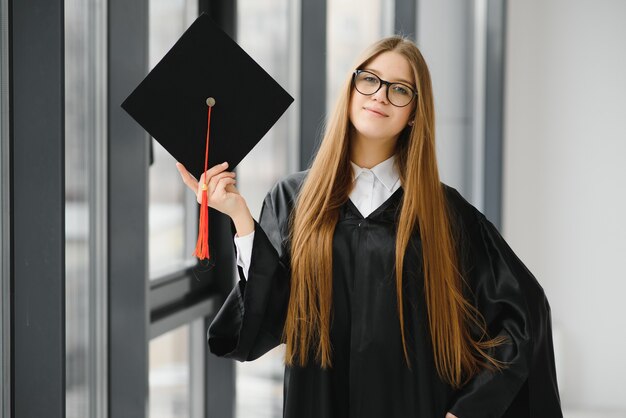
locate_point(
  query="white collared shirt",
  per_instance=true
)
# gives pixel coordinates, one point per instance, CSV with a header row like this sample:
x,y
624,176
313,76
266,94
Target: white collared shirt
x,y
372,188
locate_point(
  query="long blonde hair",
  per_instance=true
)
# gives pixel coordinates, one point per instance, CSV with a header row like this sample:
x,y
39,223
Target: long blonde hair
x,y
327,186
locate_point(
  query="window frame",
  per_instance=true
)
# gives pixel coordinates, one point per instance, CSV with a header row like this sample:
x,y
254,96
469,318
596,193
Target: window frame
x,y
37,206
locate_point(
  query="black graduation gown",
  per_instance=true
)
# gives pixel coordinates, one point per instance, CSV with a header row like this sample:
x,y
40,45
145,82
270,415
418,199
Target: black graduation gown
x,y
369,377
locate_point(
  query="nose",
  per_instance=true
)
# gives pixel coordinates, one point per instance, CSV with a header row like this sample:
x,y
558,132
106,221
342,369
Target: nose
x,y
381,94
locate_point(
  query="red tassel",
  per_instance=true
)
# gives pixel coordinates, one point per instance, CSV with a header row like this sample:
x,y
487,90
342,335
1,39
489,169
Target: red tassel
x,y
202,245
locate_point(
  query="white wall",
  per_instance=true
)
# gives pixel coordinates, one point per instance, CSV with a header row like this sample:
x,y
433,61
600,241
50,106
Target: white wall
x,y
565,182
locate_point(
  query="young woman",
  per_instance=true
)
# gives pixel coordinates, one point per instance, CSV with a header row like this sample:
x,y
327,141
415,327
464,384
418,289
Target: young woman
x,y
394,296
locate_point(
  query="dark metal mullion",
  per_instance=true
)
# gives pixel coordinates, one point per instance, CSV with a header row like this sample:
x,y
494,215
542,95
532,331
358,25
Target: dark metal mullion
x,y
494,109
36,84
184,316
183,292
223,12
128,213
220,383
405,18
5,218
220,372
182,298
312,86
168,279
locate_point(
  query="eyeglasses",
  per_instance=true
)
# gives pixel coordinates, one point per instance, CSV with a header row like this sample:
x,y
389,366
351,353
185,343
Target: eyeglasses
x,y
398,94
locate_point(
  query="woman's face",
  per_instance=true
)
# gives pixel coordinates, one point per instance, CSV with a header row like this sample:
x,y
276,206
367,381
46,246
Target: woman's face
x,y
373,116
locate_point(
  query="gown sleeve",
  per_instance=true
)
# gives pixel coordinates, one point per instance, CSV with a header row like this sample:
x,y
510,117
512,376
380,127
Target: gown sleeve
x,y
251,320
513,304
243,246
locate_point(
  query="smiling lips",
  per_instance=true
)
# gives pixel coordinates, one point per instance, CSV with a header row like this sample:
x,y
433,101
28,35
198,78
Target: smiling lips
x,y
375,111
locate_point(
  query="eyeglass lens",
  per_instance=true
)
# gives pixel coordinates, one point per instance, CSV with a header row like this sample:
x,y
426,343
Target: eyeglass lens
x,y
397,93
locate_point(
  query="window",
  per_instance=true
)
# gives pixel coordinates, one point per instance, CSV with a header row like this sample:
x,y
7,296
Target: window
x,y
170,374
177,348
352,26
176,372
85,203
172,209
265,30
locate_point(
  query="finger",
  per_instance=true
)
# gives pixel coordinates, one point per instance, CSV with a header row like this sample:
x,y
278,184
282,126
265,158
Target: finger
x,y
230,188
211,176
183,171
201,184
216,169
220,189
212,184
213,181
187,177
199,192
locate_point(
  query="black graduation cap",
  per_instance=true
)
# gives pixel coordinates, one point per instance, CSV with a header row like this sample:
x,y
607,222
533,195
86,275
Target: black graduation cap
x,y
171,102
205,67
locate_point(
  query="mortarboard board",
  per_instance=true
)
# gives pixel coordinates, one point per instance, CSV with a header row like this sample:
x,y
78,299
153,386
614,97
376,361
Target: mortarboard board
x,y
171,103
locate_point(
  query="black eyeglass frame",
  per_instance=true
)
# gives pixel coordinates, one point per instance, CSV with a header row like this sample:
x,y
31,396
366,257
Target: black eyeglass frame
x,y
383,83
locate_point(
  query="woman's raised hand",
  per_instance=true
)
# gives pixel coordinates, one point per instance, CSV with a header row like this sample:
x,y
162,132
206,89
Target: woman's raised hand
x,y
222,194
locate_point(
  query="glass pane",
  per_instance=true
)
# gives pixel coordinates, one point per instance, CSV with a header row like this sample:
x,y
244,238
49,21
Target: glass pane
x,y
170,374
85,192
170,247
264,31
352,26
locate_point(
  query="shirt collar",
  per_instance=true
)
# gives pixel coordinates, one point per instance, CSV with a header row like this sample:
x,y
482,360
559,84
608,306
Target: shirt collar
x,y
386,172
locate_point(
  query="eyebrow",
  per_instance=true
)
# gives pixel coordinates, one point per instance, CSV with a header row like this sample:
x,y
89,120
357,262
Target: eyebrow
x,y
397,79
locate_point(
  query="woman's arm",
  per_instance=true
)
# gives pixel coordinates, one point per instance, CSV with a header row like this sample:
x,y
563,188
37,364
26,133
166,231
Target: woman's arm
x,y
514,305
243,246
251,320
242,218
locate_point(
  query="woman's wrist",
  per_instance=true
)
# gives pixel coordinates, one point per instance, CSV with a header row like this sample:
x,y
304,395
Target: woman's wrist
x,y
242,218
